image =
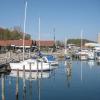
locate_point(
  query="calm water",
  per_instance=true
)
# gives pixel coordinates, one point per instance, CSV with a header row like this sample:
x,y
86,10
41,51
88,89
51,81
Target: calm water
x,y
74,81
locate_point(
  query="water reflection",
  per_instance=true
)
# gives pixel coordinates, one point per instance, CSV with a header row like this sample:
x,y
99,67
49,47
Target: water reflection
x,y
39,87
68,70
34,75
91,63
15,79
81,70
98,62
3,86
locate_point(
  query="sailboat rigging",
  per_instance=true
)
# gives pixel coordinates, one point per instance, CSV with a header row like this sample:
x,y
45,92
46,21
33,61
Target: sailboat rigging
x,y
35,65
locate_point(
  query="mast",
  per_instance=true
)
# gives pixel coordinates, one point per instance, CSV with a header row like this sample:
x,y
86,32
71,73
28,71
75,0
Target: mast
x,y
81,39
81,50
39,34
54,34
24,29
81,71
65,45
54,47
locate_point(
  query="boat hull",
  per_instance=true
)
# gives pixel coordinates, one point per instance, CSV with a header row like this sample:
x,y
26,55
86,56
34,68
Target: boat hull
x,y
31,65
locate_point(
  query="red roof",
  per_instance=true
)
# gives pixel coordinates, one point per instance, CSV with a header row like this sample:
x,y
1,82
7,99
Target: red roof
x,y
15,42
45,43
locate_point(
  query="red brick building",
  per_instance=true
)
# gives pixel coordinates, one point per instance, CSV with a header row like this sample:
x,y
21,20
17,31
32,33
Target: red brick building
x,y
44,43
6,44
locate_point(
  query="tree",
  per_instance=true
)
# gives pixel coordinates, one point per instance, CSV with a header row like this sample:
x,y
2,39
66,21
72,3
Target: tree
x,y
15,34
27,36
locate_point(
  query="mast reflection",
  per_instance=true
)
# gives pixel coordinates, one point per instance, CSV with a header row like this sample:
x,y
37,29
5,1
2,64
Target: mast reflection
x,y
68,72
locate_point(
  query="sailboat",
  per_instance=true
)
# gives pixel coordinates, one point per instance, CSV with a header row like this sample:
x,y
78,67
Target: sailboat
x,y
83,53
33,63
66,53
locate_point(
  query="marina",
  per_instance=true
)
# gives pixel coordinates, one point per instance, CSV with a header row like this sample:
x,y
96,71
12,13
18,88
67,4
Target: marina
x,y
50,50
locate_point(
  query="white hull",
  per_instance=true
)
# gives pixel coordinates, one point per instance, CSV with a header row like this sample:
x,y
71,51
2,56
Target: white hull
x,y
53,63
97,55
98,58
34,65
83,57
91,56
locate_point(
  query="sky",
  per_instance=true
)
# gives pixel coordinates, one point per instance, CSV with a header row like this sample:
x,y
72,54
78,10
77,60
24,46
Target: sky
x,y
67,17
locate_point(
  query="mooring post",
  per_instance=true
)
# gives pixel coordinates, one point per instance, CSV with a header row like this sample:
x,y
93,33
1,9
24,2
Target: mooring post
x,y
49,66
24,85
37,69
6,60
41,68
30,72
23,76
29,54
30,82
17,82
10,88
37,66
3,87
30,88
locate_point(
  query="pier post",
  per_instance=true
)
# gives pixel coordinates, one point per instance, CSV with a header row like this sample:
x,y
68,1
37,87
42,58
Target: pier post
x,y
29,54
41,68
17,82
3,87
10,88
23,76
49,66
30,72
37,69
37,66
24,85
30,82
6,60
30,88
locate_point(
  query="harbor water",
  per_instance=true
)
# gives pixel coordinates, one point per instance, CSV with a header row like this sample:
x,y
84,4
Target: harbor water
x,y
74,80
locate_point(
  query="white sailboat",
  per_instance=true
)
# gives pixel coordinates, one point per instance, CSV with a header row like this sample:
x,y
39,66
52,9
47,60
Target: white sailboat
x,y
66,53
83,53
35,65
91,55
